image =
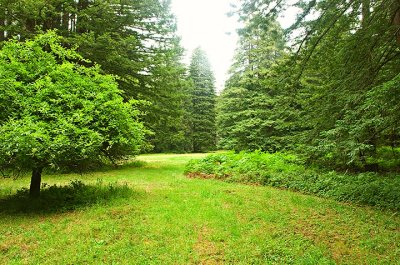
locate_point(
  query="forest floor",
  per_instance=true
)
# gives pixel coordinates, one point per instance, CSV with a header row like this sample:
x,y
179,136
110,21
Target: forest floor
x,y
153,214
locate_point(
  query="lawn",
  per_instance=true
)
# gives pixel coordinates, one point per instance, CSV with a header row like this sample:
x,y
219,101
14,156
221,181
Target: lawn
x,y
150,213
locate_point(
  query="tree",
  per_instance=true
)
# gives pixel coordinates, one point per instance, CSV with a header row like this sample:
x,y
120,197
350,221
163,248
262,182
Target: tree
x,y
256,110
349,52
134,40
168,93
202,105
328,92
56,113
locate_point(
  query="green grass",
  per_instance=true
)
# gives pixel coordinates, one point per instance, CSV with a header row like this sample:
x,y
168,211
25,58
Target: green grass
x,y
287,171
166,218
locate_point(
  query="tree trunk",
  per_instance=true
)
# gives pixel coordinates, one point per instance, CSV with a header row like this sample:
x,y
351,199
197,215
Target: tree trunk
x,y
396,22
81,26
366,5
34,191
65,17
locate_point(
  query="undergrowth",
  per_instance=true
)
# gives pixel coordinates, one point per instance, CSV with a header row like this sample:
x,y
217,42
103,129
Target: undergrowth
x,y
289,172
58,198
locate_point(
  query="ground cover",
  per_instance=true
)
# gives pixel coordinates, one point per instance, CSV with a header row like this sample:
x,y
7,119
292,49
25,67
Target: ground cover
x,y
150,213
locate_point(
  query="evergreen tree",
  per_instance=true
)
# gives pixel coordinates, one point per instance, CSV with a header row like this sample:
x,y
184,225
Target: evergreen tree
x,y
336,85
202,105
255,110
350,52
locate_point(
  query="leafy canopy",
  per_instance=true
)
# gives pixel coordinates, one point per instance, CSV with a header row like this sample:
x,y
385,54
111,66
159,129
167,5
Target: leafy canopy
x,y
56,113
134,40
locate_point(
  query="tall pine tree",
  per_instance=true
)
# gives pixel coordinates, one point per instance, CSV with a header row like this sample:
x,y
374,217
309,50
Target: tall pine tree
x,y
202,103
256,110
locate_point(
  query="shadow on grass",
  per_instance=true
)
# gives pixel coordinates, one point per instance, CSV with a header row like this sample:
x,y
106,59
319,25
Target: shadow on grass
x,y
123,165
100,167
56,199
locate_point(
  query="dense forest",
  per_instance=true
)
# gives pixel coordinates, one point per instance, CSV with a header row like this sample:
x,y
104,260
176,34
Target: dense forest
x,y
325,88
133,40
134,155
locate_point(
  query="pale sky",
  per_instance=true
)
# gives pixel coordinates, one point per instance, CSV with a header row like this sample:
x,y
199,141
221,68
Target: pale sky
x,y
204,23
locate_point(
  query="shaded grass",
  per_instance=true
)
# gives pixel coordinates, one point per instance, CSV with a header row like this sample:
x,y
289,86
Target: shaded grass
x,y
56,199
176,220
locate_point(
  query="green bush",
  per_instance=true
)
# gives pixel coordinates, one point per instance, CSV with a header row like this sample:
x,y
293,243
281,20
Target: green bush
x,y
288,171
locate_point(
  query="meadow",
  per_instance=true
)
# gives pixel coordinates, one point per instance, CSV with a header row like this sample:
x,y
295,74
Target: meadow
x,y
149,212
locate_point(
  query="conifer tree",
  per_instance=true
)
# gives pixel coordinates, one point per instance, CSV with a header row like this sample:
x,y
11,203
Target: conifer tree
x,y
336,86
202,103
255,110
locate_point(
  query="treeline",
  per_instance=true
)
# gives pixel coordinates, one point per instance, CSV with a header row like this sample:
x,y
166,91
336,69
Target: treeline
x,y
327,87
135,41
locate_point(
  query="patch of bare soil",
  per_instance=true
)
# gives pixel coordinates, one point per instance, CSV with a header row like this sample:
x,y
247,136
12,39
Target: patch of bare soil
x,y
207,251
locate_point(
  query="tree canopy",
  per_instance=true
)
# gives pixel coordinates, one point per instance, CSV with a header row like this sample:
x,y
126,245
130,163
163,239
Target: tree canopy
x,y
134,40
57,113
326,87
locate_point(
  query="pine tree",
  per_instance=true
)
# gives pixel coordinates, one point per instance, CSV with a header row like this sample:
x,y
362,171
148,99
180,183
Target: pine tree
x,y
255,110
202,105
336,97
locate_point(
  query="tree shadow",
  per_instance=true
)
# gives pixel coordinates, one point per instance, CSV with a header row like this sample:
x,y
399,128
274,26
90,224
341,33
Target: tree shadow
x,y
99,167
58,199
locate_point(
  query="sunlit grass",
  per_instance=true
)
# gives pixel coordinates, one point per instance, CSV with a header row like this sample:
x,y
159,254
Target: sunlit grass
x,y
169,219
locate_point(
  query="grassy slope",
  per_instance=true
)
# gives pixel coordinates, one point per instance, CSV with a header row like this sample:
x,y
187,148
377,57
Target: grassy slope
x,y
172,219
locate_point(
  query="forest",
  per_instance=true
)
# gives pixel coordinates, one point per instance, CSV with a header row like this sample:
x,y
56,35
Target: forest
x,y
96,90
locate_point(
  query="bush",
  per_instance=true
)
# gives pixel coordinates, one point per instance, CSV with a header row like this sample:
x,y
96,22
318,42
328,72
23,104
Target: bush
x,y
288,171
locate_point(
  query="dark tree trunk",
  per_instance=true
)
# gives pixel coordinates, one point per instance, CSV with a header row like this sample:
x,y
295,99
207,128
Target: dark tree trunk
x,y
82,20
396,22
366,5
36,179
30,25
65,18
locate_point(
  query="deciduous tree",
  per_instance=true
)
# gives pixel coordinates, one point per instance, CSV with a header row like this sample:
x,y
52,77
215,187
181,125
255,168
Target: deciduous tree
x,y
57,113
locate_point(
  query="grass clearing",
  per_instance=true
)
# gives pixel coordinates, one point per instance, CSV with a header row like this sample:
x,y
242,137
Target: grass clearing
x,y
170,219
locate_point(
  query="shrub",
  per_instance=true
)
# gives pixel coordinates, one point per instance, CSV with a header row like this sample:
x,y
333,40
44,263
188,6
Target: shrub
x,y
288,171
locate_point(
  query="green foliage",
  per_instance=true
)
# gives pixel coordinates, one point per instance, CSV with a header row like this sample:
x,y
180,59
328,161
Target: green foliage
x,y
351,113
201,107
331,93
258,109
360,137
133,40
57,113
288,171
